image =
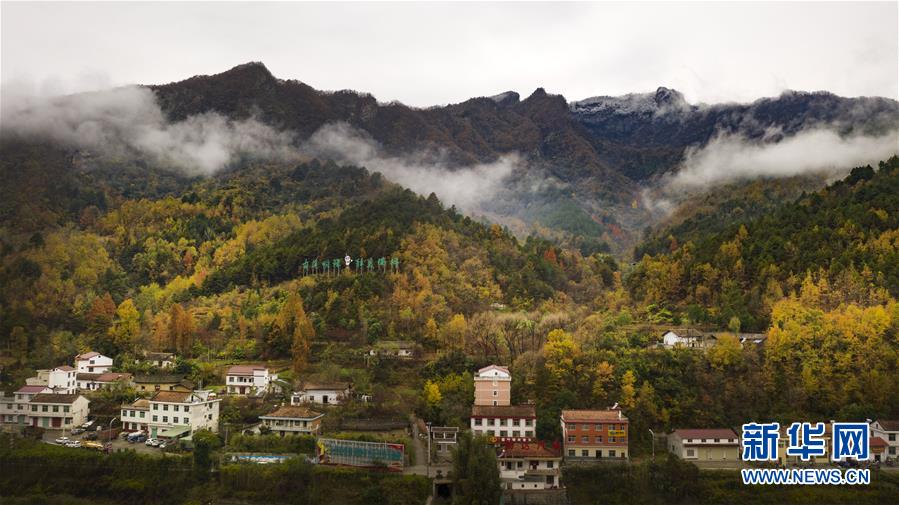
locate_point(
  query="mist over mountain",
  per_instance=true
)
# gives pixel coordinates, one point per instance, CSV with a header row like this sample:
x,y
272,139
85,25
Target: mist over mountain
x,y
595,172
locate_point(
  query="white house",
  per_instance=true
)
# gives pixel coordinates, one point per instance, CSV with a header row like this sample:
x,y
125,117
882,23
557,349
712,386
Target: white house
x,y
249,380
60,379
513,423
95,381
529,466
684,339
333,393
174,415
888,430
57,411
717,444
93,362
136,417
293,420
393,349
14,409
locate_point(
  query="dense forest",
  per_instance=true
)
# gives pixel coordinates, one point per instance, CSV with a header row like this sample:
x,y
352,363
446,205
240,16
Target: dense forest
x,y
119,257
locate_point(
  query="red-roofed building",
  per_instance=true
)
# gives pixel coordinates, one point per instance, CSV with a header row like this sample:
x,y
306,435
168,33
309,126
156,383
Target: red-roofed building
x,y
529,466
718,444
888,430
595,435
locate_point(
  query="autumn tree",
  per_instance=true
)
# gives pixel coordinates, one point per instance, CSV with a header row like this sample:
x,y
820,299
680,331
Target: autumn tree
x,y
125,329
181,329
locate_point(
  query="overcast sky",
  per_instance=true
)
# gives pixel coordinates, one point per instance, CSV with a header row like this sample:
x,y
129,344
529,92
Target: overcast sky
x,y
430,54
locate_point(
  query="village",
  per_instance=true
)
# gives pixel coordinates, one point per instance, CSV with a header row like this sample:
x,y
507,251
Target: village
x,y
57,405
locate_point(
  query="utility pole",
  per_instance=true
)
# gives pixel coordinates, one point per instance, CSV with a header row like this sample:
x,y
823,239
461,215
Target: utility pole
x,y
428,468
653,440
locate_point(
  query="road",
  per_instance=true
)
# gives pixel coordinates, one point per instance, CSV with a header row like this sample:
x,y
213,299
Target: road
x,y
117,444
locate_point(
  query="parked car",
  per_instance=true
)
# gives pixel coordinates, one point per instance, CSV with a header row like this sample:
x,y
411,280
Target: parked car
x,y
73,443
87,425
77,431
91,436
97,446
63,440
152,442
162,445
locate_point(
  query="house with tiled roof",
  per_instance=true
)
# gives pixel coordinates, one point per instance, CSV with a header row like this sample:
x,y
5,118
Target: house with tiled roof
x,y
595,435
716,444
249,380
162,382
60,379
888,430
293,420
57,411
93,362
322,393
176,414
136,416
529,466
96,381
504,423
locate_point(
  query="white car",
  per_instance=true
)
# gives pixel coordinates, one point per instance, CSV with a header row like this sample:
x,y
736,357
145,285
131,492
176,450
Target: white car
x,y
73,443
152,442
62,440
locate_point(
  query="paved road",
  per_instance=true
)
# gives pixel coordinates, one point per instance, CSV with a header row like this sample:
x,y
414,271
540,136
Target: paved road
x,y
117,444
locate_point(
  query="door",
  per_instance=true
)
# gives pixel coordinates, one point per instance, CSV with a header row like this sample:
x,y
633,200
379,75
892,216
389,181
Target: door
x,y
153,432
324,398
57,422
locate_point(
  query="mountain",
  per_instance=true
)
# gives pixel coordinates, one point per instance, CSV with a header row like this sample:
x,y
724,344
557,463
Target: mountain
x,y
601,151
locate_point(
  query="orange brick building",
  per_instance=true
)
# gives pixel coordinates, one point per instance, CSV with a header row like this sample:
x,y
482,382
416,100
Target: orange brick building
x,y
594,435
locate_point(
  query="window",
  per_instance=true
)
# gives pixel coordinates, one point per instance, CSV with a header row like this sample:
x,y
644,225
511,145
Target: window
x,y
477,421
691,453
165,419
176,408
892,450
520,464
571,452
155,406
585,439
585,453
528,422
155,418
504,433
516,433
141,414
892,437
165,407
549,464
717,440
34,408
494,392
571,438
611,453
44,408
56,408
187,408
599,439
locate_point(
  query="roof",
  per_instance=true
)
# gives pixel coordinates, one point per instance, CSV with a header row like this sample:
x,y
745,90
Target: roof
x,y
493,367
113,376
54,398
66,368
87,355
141,403
529,450
158,355
31,389
889,424
593,416
87,376
293,412
244,369
326,386
171,397
878,442
706,433
158,379
503,411
394,343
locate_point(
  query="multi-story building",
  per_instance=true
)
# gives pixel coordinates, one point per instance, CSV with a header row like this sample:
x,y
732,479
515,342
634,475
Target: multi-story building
x,y
14,409
173,414
720,444
505,423
888,430
57,411
529,466
249,380
136,417
60,379
93,362
293,420
594,435
332,393
493,386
